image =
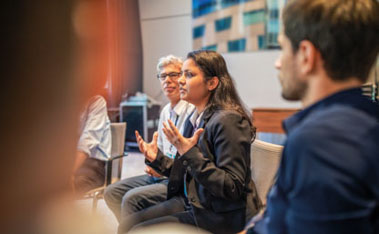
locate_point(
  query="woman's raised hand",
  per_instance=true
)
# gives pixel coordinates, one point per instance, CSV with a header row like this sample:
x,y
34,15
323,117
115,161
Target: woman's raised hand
x,y
181,143
150,150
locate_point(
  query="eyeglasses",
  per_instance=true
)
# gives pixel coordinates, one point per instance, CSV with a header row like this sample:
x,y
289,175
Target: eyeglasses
x,y
172,75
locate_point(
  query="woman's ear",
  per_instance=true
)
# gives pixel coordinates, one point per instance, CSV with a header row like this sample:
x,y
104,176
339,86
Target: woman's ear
x,y
212,83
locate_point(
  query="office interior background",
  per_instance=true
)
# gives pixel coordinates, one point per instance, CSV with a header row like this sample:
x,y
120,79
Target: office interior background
x,y
155,28
166,28
149,29
139,32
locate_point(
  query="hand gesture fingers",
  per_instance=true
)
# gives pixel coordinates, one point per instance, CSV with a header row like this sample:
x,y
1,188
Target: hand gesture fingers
x,y
195,138
152,151
187,143
173,128
155,138
169,134
149,150
140,142
181,143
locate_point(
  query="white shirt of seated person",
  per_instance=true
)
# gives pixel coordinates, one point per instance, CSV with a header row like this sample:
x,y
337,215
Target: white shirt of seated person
x,y
178,116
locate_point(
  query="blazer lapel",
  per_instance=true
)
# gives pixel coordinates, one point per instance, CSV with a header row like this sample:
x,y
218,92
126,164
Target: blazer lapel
x,y
188,128
206,116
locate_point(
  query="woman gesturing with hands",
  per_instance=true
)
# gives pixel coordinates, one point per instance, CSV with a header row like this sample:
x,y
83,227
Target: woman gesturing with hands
x,y
210,182
181,143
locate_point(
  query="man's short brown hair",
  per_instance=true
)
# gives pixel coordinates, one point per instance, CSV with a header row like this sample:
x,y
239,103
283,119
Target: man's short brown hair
x,y
346,32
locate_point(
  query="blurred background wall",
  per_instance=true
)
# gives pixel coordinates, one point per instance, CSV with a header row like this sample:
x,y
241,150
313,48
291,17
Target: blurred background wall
x,y
125,53
166,29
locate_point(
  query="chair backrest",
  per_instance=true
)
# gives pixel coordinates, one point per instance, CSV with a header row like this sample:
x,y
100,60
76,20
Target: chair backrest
x,y
118,138
118,131
265,158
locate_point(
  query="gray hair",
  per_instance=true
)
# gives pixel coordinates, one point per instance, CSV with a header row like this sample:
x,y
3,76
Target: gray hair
x,y
167,60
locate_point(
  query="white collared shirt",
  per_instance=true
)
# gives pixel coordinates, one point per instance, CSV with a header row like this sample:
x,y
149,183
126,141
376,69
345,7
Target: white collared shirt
x,y
95,131
178,116
196,119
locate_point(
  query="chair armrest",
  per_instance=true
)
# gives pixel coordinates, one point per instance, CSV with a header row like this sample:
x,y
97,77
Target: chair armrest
x,y
118,156
108,168
94,192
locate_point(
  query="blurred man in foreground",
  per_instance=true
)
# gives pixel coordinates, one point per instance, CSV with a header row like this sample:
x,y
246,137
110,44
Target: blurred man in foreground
x,y
50,68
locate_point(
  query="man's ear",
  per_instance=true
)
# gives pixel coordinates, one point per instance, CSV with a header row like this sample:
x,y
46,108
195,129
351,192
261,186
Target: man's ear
x,y
307,57
212,83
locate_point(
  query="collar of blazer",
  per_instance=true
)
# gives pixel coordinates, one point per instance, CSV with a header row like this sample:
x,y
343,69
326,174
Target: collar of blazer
x,y
205,118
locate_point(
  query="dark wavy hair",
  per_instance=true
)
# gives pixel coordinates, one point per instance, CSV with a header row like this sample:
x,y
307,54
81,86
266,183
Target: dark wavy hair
x,y
225,95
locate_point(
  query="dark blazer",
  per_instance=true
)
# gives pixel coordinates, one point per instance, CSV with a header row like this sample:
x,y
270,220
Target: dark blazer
x,y
217,172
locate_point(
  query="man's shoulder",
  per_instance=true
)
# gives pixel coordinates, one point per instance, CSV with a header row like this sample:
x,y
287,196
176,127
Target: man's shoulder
x,y
96,105
340,117
185,107
165,110
334,126
97,100
338,139
166,107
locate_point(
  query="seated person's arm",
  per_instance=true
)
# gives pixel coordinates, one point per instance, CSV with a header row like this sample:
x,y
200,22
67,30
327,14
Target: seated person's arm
x,y
79,160
95,136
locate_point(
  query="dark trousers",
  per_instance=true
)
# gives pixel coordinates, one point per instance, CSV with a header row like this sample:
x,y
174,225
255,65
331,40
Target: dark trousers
x,y
133,194
174,210
89,176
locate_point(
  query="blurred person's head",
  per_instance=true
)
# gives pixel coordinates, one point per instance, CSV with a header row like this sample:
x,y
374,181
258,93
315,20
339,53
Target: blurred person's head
x,y
206,82
53,61
334,39
169,70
